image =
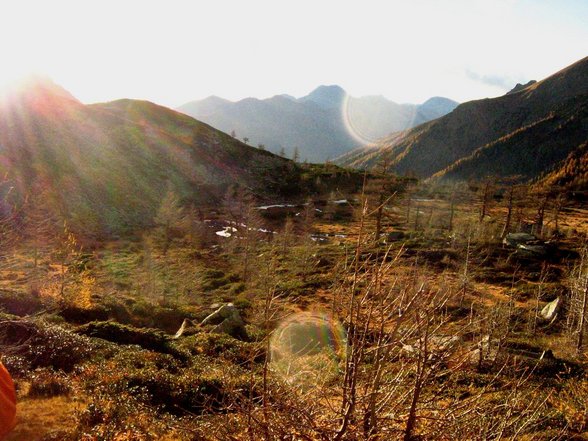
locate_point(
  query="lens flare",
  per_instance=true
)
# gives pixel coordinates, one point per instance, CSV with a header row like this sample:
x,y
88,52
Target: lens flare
x,y
371,118
308,349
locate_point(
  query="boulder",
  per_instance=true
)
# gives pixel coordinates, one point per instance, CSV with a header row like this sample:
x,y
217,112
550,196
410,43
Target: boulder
x,y
395,235
227,320
534,249
188,328
517,239
550,310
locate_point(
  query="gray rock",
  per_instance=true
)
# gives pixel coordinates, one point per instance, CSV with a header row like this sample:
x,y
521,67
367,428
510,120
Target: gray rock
x,y
516,239
538,250
550,310
395,235
227,320
188,328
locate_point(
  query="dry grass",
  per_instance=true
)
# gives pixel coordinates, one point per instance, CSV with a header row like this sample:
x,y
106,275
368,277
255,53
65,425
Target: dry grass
x,y
39,417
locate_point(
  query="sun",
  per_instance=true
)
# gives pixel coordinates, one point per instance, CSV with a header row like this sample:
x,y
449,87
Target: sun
x,y
12,74
12,78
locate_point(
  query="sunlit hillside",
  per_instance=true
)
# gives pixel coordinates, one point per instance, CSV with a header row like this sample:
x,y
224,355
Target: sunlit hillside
x,y
106,167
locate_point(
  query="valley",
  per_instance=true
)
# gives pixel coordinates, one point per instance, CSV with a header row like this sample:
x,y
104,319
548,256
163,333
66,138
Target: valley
x,y
162,280
90,330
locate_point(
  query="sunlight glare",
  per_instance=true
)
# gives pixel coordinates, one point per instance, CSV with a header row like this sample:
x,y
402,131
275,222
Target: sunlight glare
x,y
308,349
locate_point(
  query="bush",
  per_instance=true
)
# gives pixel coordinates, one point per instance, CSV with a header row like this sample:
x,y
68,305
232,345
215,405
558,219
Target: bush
x,y
160,382
214,279
29,345
179,393
117,310
47,384
75,314
19,303
168,318
223,346
151,339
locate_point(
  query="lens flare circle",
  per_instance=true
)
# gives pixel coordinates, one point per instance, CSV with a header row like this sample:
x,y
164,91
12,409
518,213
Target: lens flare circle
x,y
308,349
369,119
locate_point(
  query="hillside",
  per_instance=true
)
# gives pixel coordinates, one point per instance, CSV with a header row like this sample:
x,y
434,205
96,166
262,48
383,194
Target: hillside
x,y
572,172
106,167
322,125
525,132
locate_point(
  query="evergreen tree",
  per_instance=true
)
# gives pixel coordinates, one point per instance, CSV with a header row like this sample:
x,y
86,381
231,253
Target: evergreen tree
x,y
169,217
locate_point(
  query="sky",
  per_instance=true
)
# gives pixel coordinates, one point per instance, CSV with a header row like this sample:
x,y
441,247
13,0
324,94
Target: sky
x,y
171,52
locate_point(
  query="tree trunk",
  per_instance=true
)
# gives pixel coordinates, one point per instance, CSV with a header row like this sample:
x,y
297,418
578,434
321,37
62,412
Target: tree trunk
x,y
506,228
582,319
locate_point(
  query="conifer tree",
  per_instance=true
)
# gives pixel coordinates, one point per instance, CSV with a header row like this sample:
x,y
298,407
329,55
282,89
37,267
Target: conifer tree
x,y
169,217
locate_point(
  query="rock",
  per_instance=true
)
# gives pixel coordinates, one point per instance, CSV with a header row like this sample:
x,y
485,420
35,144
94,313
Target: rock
x,y
547,355
520,87
526,244
395,235
550,310
516,239
228,321
407,349
187,328
538,250
443,343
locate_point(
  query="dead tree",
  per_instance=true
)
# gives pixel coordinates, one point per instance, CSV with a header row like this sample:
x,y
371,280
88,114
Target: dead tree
x,y
509,209
578,305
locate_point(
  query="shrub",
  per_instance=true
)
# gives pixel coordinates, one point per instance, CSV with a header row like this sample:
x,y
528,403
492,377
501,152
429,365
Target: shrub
x,y
30,345
151,339
168,318
19,303
214,279
117,310
178,394
75,314
223,346
47,383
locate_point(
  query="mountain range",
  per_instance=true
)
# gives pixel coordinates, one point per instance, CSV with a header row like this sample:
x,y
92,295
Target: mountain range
x,y
321,125
534,130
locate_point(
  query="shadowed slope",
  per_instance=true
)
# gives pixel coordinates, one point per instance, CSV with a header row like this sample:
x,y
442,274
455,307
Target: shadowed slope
x,y
432,147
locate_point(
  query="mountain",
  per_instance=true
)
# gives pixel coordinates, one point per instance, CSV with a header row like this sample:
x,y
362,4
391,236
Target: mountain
x,y
105,168
327,97
526,132
321,125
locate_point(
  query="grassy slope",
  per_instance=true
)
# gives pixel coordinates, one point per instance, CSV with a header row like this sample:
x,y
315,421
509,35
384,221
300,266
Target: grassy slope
x,y
106,167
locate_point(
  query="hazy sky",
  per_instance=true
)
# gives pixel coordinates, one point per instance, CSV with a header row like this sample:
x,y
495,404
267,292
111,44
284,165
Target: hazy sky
x,y
172,51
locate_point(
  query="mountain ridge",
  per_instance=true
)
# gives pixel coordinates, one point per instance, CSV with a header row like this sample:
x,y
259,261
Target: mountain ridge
x,y
435,148
321,125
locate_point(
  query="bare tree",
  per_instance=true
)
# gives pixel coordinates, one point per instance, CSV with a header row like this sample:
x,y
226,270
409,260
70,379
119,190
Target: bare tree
x,y
578,302
487,190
